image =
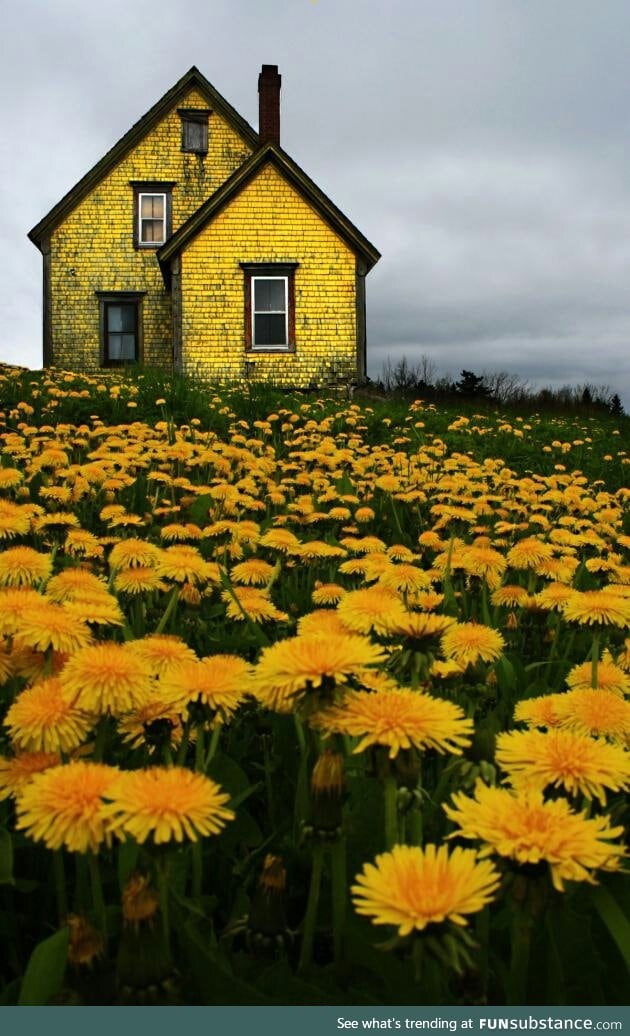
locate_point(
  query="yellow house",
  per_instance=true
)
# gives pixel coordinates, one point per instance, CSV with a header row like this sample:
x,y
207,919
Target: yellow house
x,y
197,244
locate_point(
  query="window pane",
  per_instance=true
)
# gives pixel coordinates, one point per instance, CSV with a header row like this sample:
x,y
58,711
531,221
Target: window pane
x,y
269,295
269,329
152,230
152,205
114,318
114,347
128,347
122,317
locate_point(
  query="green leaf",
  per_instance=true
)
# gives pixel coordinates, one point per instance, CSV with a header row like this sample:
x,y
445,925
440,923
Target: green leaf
x,y
506,676
615,920
343,485
6,858
198,511
45,970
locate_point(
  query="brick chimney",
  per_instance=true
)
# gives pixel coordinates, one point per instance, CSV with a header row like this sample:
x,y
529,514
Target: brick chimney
x,y
269,105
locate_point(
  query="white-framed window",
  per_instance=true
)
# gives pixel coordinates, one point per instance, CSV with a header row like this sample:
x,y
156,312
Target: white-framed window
x,y
270,312
151,219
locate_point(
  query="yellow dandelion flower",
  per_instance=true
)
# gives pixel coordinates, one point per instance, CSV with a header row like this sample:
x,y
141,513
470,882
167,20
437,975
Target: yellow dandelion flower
x,y
99,608
563,759
72,581
364,514
468,642
23,566
425,601
182,564
41,720
10,478
321,623
168,803
419,625
375,608
521,826
13,605
249,602
281,539
595,712
47,625
162,652
405,578
138,580
600,607
287,670
510,596
105,678
609,678
446,670
327,593
254,572
539,712
411,888
7,663
64,806
15,520
16,772
553,597
156,717
80,542
399,719
529,553
178,533
218,681
483,563
134,552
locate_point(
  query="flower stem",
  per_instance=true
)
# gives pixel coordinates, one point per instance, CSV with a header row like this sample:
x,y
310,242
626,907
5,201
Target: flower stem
x,y
300,808
339,895
310,918
212,748
519,963
197,870
168,611
594,660
162,884
97,894
390,800
99,743
199,750
183,745
59,872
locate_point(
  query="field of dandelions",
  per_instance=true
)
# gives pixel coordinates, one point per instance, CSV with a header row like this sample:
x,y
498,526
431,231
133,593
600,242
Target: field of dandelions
x,y
308,700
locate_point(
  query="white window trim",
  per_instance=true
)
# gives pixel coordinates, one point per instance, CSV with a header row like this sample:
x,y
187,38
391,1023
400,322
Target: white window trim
x,y
151,194
285,345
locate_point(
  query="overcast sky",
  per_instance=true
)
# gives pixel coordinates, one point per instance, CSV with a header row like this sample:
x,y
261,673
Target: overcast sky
x,y
482,145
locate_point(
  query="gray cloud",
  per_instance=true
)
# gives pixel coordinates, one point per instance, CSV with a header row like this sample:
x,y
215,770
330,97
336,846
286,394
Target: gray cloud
x,y
484,147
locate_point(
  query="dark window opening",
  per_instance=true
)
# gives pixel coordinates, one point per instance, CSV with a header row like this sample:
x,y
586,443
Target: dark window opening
x,y
121,332
194,130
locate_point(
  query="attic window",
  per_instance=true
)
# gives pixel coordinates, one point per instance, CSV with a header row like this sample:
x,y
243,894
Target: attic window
x,y
194,130
152,213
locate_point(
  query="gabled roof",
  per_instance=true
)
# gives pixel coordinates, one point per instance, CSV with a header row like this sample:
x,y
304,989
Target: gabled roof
x,y
193,79
274,155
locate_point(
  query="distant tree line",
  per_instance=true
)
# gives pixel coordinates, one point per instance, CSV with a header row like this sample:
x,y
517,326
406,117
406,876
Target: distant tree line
x,y
421,380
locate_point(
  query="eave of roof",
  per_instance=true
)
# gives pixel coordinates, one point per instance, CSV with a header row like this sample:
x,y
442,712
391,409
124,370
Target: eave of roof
x,y
268,153
193,79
